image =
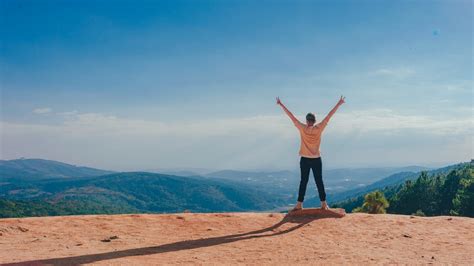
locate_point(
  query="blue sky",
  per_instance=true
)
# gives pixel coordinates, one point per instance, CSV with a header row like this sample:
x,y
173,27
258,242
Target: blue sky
x,y
164,84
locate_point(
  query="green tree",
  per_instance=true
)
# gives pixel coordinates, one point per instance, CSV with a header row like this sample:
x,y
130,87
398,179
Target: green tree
x,y
463,201
419,213
449,190
374,202
440,194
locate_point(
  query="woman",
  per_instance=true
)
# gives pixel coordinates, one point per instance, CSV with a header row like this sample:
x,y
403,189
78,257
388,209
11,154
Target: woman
x,y
310,134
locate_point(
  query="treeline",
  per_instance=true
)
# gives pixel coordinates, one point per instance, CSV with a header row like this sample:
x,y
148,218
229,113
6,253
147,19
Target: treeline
x,y
21,208
439,194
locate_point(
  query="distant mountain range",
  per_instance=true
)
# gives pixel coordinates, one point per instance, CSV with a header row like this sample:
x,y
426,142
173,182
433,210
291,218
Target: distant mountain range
x,y
34,169
335,180
30,187
57,188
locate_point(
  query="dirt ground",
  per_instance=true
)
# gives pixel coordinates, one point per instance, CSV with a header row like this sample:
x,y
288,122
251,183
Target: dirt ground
x,y
236,238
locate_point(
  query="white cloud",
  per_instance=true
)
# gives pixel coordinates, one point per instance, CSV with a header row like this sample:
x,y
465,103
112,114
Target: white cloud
x,y
374,120
402,72
68,113
386,120
44,110
109,141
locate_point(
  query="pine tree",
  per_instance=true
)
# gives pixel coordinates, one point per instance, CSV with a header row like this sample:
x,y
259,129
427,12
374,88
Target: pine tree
x,y
463,202
374,202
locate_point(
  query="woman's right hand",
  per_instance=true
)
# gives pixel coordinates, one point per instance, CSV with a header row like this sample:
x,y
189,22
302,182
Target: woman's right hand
x,y
341,100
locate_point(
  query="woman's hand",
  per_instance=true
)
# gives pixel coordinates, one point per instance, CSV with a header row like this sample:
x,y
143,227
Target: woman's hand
x,y
278,101
341,100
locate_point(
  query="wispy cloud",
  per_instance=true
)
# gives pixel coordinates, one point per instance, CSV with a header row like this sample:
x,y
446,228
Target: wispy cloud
x,y
43,110
389,121
373,120
402,72
255,141
68,113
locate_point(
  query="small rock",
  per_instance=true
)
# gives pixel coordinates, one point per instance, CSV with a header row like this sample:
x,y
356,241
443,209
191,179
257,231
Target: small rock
x,y
405,235
412,216
79,244
109,239
432,257
23,229
450,218
180,217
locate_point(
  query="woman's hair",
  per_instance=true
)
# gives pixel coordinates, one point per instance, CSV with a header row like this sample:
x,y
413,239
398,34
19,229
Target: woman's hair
x,y
310,117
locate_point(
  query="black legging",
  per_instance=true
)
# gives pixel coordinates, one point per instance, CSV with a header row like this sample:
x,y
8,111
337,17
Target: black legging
x,y
306,164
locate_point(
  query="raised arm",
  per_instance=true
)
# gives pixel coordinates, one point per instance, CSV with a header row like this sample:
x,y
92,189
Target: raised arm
x,y
292,117
333,110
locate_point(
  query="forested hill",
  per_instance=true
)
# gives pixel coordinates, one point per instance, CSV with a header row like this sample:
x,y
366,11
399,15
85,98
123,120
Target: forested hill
x,y
390,181
431,193
129,192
